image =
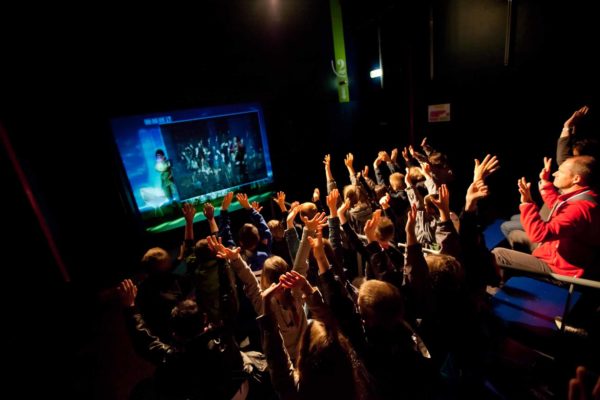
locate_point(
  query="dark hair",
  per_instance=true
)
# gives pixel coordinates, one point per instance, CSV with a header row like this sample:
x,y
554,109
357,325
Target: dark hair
x,y
328,367
186,319
159,152
248,236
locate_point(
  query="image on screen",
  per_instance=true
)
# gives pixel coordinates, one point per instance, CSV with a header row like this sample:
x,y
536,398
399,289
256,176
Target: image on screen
x,y
191,155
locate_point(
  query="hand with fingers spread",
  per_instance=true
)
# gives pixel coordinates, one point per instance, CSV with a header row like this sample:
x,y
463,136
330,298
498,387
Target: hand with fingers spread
x,y
209,211
217,247
292,216
256,205
476,191
127,292
280,200
545,173
332,199
294,280
189,211
243,199
443,203
569,125
485,167
349,162
319,220
405,154
525,191
226,201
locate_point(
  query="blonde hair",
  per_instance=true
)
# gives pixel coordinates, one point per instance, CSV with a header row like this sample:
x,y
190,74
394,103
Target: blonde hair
x,y
156,259
380,304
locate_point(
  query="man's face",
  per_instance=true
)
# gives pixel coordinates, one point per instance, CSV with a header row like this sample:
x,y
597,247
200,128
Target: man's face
x,y
563,178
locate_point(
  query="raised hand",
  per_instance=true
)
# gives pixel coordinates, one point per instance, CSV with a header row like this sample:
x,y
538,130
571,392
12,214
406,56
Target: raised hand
x,y
371,226
407,178
377,161
243,199
426,170
365,171
424,142
316,196
411,221
384,202
394,155
293,280
443,202
486,167
332,199
477,190
319,220
127,292
405,154
570,123
280,200
291,216
268,294
342,211
524,190
209,211
189,211
348,161
226,201
256,205
545,172
327,160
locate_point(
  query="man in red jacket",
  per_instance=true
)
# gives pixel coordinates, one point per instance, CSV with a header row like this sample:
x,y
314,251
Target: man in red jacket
x,y
569,240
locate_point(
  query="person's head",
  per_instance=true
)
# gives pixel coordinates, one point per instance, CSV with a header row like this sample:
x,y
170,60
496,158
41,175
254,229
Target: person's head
x,y
586,147
415,175
437,159
308,210
355,194
385,230
202,252
445,272
277,230
380,305
186,320
156,260
248,237
327,365
397,181
273,268
159,154
430,208
575,173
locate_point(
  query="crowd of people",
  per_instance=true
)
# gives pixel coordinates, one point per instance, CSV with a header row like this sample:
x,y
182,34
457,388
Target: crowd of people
x,y
379,293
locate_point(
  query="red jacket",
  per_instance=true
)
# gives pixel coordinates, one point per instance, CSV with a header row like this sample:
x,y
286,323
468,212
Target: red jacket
x,y
571,237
